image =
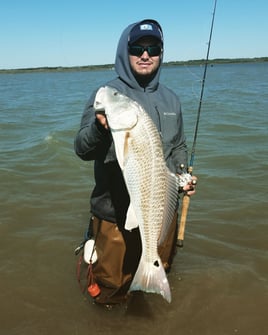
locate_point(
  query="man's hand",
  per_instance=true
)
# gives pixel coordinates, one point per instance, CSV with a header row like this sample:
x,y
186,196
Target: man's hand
x,y
102,120
189,189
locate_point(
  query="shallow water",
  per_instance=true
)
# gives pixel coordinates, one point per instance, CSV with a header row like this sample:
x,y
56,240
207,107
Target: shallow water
x,y
219,280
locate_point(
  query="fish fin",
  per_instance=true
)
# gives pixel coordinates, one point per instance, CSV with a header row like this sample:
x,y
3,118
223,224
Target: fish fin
x,y
126,144
151,278
131,219
171,204
121,139
119,142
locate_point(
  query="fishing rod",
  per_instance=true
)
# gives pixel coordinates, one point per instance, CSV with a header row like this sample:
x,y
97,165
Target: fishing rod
x,y
186,198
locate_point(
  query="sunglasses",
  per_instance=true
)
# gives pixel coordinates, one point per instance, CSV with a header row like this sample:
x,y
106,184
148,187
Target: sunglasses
x,y
138,50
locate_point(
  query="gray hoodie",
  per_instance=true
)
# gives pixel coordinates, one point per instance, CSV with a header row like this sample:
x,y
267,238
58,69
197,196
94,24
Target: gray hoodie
x,y
109,199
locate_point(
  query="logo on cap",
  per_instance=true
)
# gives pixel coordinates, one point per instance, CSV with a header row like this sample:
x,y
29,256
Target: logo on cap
x,y
146,27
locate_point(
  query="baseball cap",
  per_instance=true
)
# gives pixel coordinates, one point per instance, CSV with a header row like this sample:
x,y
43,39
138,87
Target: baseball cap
x,y
146,28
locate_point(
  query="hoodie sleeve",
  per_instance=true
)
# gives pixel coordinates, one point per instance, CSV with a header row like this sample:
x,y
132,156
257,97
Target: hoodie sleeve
x,y
176,148
171,129
92,140
180,151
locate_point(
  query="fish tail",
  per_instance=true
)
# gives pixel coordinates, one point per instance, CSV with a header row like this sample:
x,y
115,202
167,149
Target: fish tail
x,y
151,277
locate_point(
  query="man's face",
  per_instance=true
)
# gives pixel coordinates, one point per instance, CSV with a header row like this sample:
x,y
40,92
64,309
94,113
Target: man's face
x,y
144,64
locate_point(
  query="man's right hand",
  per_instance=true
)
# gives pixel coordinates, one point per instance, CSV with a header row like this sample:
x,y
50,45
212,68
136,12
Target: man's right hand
x,y
102,120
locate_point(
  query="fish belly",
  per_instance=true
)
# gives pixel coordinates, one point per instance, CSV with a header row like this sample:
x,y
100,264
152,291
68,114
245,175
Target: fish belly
x,y
150,191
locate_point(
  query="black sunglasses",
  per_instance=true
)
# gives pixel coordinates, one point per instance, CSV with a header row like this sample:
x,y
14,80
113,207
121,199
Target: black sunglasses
x,y
138,50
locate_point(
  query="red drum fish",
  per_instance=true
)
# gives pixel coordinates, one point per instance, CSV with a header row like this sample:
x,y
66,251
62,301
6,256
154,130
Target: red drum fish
x,y
152,188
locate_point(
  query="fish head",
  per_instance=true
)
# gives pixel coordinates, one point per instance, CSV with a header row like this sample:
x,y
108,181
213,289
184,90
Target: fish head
x,y
121,111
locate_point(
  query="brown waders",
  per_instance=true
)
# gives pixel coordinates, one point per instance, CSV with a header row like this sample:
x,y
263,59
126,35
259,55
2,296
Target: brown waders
x,y
118,255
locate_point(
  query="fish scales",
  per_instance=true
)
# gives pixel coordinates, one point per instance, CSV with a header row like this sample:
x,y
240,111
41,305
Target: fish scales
x,y
152,188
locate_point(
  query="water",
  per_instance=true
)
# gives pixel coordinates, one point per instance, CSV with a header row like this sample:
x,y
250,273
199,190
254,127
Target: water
x,y
219,279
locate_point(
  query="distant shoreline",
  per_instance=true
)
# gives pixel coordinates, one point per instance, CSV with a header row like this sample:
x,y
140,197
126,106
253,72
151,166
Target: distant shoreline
x,y
111,66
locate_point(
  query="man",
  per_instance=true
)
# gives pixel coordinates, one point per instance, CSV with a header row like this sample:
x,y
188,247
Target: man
x,y
138,63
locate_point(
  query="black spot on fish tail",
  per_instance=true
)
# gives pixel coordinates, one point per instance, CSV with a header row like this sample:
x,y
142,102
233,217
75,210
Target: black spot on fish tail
x,y
156,263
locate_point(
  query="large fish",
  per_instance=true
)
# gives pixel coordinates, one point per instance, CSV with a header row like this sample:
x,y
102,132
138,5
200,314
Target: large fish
x,y
153,189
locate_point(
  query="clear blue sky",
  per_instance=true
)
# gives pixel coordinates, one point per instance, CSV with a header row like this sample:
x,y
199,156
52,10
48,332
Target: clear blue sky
x,y
85,32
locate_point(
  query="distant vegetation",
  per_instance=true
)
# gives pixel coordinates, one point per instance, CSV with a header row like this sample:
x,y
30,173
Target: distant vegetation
x,y
219,61
111,66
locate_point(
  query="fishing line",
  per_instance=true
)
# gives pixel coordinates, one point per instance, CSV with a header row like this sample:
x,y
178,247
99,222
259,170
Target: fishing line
x,y
202,91
196,79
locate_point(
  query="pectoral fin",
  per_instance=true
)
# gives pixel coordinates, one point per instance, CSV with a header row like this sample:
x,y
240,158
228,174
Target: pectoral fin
x,y
131,220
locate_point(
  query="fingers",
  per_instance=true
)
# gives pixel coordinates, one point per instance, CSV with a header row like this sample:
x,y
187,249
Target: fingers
x,y
190,192
189,189
102,120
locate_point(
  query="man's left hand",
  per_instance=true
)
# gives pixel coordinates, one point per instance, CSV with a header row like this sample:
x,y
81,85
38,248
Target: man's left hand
x,y
189,189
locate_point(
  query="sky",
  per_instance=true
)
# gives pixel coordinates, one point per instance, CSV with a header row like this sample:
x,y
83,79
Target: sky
x,y
53,33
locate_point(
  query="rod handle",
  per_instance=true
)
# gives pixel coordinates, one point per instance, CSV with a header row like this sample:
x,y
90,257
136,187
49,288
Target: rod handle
x,y
185,206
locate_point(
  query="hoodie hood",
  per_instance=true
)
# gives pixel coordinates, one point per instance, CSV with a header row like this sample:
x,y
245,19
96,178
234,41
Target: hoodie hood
x,y
122,65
